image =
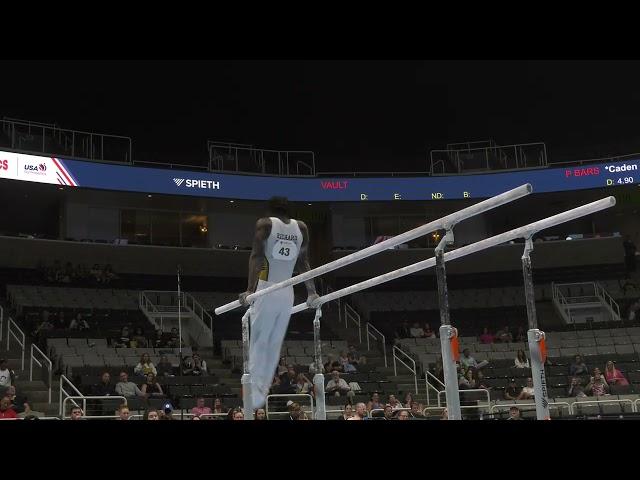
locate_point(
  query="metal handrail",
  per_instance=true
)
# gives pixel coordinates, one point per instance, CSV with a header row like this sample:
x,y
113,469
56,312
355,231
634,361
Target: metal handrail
x,y
611,400
428,385
608,299
12,334
351,314
46,360
63,378
509,405
286,395
469,390
92,397
382,338
395,368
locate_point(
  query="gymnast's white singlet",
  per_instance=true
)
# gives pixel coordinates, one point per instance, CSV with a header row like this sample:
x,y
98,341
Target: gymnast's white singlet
x,y
270,314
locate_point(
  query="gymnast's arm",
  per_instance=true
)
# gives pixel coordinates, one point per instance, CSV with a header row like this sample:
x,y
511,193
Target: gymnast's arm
x,y
256,260
302,264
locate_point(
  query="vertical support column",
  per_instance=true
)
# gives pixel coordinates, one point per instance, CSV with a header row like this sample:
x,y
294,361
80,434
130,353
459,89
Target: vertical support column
x,y
535,336
246,376
318,378
447,333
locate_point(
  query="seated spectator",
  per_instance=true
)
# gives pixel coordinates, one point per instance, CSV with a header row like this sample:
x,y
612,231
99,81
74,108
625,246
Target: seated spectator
x,y
403,331
504,335
347,412
275,385
18,403
287,383
408,399
511,391
283,367
124,339
123,413
7,376
402,415
360,412
597,385
44,326
303,385
527,392
164,368
428,333
514,414
138,340
416,411
486,337
578,367
374,402
29,412
151,414
200,408
613,376
521,360
344,362
79,323
575,388
480,381
194,366
76,414
354,356
236,414
127,389
96,273
521,336
60,322
466,380
260,414
151,388
295,410
337,386
467,361
217,406
313,369
387,414
416,331
108,275
393,401
5,409
145,366
104,388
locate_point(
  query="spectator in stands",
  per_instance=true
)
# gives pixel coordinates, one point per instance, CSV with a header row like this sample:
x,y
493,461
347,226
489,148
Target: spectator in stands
x,y
374,402
393,401
18,403
521,336
387,414
28,412
575,389
347,412
79,323
303,384
282,366
354,356
7,376
633,311
466,380
521,360
123,412
403,331
408,399
467,361
200,408
44,326
151,388
613,376
504,335
138,340
123,341
360,413
104,388
236,414
145,366
151,414
486,337
217,406
76,414
337,386
437,371
313,370
60,322
288,381
511,391
514,414
275,385
174,339
578,367
96,273
428,333
5,409
597,385
127,389
108,275
480,381
402,415
294,410
527,392
195,366
416,411
260,414
629,254
416,331
164,368
344,362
